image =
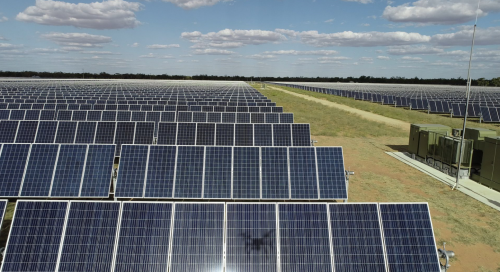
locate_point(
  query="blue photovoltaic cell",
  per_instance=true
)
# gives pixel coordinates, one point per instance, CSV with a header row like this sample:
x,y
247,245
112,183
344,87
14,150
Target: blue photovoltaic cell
x,y
40,169
214,117
94,116
85,132
205,134
144,133
108,116
167,133
217,172
168,116
144,239
90,237
125,132
138,116
17,114
243,135
251,238
184,116
32,115
38,248
186,133
12,164
356,237
304,238
123,116
246,177
263,134
64,115
228,117
4,114
160,174
286,118
301,135
8,131
198,237
154,117
275,173
132,174
258,118
26,132
105,133
242,117
199,117
224,134
189,172
47,115
272,118
79,116
331,173
98,168
409,239
46,132
66,132
282,135
303,179
69,171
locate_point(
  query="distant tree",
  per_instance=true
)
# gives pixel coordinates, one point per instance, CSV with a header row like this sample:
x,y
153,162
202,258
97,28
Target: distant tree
x,y
482,82
495,82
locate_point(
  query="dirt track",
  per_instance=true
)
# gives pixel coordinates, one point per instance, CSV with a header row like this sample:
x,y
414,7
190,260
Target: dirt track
x,y
363,114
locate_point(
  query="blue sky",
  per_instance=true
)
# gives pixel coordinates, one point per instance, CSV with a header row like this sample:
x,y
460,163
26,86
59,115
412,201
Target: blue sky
x,y
425,38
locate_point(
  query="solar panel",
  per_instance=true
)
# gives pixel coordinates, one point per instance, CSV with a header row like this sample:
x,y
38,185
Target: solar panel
x,y
272,118
8,131
154,117
144,133
66,132
85,132
17,114
167,133
286,118
47,115
331,173
132,171
282,135
275,183
64,115
105,133
26,132
246,173
205,134
356,237
108,116
214,117
144,237
46,133
12,165
184,116
242,117
79,116
38,248
160,172
243,135
263,134
198,228
69,171
40,170
94,115
258,118
124,134
217,179
251,237
123,116
138,116
186,134
303,178
168,116
90,236
4,114
408,232
228,117
32,115
304,238
301,135
98,169
199,116
189,172
224,134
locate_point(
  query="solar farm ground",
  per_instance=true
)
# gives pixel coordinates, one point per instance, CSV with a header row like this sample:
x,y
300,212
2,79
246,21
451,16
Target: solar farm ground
x,y
469,228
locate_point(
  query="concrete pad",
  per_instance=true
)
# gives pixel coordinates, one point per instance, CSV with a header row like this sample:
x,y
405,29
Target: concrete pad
x,y
469,187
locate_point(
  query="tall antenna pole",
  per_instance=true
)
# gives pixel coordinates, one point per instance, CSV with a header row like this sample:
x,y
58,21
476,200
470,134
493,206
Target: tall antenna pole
x,y
467,104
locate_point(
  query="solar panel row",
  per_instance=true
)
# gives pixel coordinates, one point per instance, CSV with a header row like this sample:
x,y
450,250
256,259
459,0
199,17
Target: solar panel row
x,y
36,101
68,132
168,236
234,134
193,172
54,170
139,107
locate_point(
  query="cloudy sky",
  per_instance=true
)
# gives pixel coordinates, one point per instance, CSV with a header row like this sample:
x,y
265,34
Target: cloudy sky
x,y
426,38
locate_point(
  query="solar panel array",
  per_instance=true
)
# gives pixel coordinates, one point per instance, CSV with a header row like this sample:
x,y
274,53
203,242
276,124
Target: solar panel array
x,y
55,170
184,236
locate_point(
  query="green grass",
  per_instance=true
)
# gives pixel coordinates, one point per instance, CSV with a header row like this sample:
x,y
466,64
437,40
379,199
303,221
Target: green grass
x,y
414,117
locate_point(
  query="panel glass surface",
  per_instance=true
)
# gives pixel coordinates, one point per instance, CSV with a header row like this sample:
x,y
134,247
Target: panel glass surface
x,y
123,116
186,133
85,132
184,116
275,184
143,244
132,174
12,164
228,117
205,134
160,174
47,115
38,248
251,238
199,117
303,179
32,115
79,116
40,169
224,134
105,133
167,133
46,133
282,135
214,117
94,116
98,167
409,239
144,133
246,173
90,237
356,237
189,172
304,239
198,237
243,135
26,132
138,116
286,118
263,134
8,130
108,116
217,172
124,135
331,173
168,116
69,171
66,132
301,135
242,117
272,118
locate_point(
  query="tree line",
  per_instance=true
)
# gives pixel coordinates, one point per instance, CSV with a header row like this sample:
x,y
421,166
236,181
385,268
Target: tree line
x,y
361,79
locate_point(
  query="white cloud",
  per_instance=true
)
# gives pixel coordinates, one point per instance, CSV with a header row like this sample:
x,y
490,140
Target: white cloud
x,y
262,56
111,14
8,46
48,51
99,52
2,38
408,58
366,59
81,40
329,21
360,1
301,53
414,50
3,19
229,38
213,52
135,45
353,39
162,46
365,24
151,55
383,57
443,12
488,36
72,48
193,4
332,60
